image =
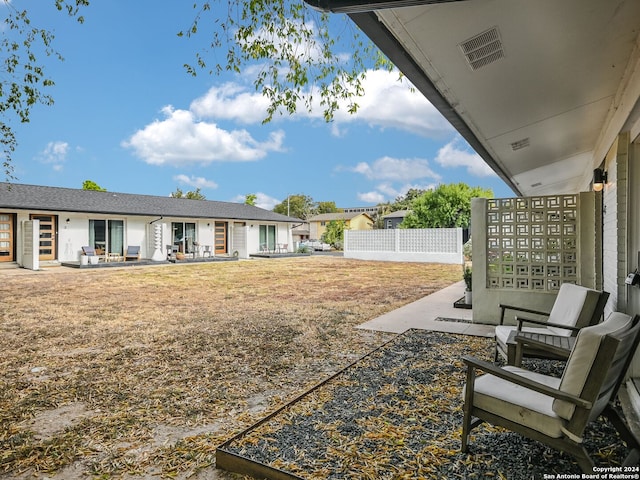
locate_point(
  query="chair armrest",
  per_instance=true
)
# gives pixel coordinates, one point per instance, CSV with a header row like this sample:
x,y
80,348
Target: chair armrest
x,y
505,307
524,382
523,342
522,320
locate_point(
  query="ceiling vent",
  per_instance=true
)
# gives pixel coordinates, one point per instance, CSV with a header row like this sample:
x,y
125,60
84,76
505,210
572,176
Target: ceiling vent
x,y
483,49
520,144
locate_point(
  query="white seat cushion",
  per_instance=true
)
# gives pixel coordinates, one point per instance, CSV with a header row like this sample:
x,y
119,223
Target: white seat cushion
x,y
519,404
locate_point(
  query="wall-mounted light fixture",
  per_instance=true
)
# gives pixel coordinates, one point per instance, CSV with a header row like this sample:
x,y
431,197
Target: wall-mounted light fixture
x,y
68,220
599,179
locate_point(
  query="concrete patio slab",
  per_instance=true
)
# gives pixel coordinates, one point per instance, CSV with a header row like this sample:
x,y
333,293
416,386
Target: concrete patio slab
x,y
423,314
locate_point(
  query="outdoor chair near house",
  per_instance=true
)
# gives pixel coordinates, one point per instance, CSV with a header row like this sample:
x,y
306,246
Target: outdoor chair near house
x,y
132,253
575,307
91,252
556,411
206,251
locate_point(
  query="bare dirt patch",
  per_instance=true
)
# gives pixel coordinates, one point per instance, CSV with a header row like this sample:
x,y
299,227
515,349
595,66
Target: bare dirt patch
x,y
149,369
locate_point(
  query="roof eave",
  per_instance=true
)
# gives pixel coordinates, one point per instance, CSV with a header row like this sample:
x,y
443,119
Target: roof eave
x,y
369,23
358,6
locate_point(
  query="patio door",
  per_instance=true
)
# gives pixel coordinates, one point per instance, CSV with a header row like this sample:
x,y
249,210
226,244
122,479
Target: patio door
x,y
7,243
106,236
268,237
47,246
220,238
184,235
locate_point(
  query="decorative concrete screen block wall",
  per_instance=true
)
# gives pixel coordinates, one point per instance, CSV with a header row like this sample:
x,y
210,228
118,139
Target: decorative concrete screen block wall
x,y
437,245
532,243
525,248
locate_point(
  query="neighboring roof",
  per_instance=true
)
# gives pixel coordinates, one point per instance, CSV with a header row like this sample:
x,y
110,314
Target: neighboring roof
x,y
34,197
327,217
398,214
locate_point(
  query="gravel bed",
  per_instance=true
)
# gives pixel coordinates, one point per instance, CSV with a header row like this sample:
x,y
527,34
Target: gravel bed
x,y
397,413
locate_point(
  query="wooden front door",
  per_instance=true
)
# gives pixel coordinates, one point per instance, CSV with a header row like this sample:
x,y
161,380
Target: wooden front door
x,y
7,232
47,236
220,240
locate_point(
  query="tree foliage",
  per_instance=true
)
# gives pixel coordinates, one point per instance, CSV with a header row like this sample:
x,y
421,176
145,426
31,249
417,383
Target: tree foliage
x,y
327,207
334,233
91,185
23,82
298,206
295,48
250,199
404,202
447,206
191,195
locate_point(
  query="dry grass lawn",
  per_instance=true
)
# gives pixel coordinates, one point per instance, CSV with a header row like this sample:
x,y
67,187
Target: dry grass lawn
x,y
142,372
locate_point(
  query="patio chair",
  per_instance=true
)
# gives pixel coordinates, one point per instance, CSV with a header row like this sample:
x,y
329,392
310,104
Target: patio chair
x,y
575,307
556,411
132,253
91,253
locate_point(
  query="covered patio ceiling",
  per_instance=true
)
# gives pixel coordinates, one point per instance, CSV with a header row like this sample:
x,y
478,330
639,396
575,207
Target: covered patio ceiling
x,y
539,88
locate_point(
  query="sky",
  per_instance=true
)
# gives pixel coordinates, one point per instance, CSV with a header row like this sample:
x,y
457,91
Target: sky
x,y
129,117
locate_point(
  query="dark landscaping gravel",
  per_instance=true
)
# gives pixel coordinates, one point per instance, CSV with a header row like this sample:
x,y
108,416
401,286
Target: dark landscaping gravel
x,y
398,414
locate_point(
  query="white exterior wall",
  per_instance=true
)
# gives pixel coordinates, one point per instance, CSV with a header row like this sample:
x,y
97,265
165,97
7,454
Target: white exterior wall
x,y
615,226
72,235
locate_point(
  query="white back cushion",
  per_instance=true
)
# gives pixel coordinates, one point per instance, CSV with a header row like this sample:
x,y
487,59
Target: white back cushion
x,y
580,362
574,307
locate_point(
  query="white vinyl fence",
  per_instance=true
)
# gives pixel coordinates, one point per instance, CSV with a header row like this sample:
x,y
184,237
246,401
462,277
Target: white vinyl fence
x,y
433,245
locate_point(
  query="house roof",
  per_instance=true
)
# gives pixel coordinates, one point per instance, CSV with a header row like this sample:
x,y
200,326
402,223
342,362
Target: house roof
x,y
327,217
56,199
398,214
540,90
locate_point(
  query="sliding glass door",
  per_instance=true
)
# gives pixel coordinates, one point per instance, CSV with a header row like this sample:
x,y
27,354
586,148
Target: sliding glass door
x,y
107,236
184,235
267,237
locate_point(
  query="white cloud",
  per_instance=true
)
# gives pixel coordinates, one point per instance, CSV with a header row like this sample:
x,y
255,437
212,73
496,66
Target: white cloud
x,y
389,103
197,182
231,101
371,197
262,200
451,156
396,169
181,139
55,153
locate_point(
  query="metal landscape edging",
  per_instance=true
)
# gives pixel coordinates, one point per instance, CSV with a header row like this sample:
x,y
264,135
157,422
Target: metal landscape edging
x,y
232,462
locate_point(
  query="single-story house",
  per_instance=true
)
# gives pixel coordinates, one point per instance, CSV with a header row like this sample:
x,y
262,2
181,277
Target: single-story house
x,y
69,219
393,219
547,93
352,221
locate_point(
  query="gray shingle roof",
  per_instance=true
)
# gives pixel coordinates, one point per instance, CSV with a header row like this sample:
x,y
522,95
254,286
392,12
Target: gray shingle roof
x,y
34,197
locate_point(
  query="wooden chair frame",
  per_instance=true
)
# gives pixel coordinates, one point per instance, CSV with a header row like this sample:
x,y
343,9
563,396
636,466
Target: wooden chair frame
x,y
608,359
534,350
